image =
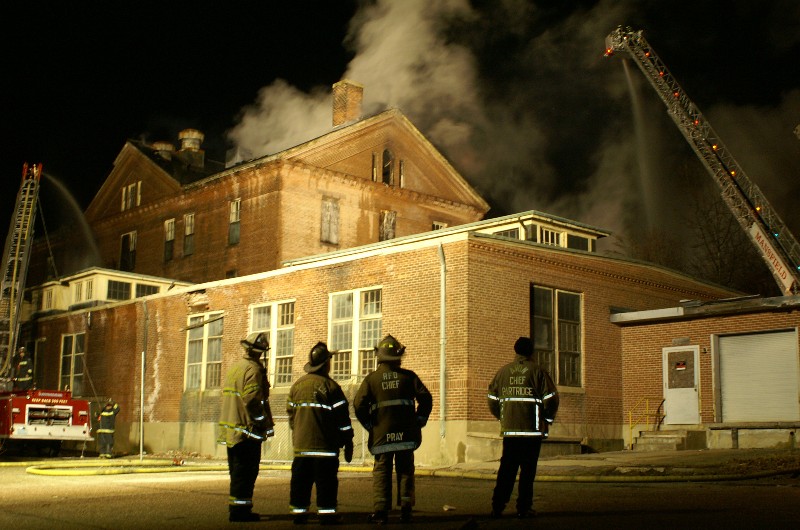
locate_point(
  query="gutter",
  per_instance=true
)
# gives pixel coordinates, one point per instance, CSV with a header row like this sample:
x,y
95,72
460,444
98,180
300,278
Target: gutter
x,y
442,340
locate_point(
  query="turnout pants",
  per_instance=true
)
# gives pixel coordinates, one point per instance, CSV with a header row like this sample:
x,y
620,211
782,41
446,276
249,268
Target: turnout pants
x,y
105,444
519,453
243,461
382,480
310,470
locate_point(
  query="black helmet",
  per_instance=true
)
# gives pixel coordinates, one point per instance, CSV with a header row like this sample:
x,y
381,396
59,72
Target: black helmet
x,y
389,349
256,342
317,358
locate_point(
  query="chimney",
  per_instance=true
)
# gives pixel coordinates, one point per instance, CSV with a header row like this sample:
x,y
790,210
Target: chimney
x,y
347,97
164,149
190,148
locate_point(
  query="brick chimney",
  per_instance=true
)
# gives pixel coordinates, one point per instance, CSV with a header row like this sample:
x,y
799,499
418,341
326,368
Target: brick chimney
x,y
347,97
190,151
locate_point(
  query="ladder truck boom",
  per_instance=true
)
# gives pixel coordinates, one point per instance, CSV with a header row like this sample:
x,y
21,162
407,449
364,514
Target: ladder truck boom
x,y
772,238
15,263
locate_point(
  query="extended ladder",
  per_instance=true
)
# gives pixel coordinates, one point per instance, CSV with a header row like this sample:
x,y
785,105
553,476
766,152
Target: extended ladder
x,y
775,243
15,263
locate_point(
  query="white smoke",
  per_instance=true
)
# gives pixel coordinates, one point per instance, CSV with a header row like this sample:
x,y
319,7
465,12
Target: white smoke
x,y
549,128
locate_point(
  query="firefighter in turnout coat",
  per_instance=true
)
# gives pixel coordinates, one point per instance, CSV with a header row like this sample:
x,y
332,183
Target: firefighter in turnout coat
x,y
23,378
245,422
105,433
393,405
525,400
319,418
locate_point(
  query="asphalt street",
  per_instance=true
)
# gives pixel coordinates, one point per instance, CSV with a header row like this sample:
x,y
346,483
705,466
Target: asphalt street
x,y
189,498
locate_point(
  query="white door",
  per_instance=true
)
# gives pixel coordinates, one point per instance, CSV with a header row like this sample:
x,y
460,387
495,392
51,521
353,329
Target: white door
x,y
681,406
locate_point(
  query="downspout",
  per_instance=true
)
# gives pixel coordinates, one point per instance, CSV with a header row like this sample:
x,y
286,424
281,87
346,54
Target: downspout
x,y
141,386
442,341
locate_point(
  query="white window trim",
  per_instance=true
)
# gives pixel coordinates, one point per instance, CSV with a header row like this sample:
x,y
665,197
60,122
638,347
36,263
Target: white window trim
x,y
205,319
355,353
273,334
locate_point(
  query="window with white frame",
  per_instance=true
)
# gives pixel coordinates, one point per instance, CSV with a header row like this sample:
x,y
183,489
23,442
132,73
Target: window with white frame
x,y
355,323
276,319
73,351
549,237
131,195
204,351
234,216
438,225
513,233
127,252
169,239
89,289
188,234
556,324
47,300
78,292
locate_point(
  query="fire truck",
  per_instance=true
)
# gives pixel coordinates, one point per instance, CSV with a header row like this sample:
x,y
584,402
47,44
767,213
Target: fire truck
x,y
42,419
31,418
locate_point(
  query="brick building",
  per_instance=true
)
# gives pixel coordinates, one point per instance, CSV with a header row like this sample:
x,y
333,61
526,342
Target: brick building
x,y
363,231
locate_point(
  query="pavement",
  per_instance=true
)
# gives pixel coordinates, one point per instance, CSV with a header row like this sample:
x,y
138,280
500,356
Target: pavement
x,y
616,466
647,466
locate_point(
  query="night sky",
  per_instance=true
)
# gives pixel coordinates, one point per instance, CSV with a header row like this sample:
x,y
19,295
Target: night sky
x,y
516,94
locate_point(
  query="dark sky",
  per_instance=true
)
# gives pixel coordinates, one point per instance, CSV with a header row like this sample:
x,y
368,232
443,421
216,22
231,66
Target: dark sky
x,y
516,94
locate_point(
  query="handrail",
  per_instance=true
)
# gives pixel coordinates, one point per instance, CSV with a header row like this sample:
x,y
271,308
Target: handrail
x,y
657,416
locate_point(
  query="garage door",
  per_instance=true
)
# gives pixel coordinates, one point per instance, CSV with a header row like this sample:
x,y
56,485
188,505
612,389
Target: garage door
x,y
759,377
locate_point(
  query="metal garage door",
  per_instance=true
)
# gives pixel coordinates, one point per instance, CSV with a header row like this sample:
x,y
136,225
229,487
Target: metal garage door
x,y
759,377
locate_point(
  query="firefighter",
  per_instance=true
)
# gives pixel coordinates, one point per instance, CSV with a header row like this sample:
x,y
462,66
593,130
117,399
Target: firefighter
x,y
245,422
525,400
320,423
23,377
105,433
385,406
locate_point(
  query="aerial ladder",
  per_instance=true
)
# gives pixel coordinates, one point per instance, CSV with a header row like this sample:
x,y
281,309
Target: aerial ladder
x,y
16,256
773,240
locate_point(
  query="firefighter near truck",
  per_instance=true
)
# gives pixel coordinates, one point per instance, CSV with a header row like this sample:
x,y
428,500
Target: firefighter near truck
x,y
30,418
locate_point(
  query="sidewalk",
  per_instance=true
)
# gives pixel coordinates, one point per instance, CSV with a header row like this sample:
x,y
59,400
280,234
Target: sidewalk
x,y
625,466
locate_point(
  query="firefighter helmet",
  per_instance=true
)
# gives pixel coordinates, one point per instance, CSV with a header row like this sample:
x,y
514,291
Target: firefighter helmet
x,y
389,349
318,357
256,343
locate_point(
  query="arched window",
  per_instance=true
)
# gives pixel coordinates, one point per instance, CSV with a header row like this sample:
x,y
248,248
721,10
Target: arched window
x,y
388,162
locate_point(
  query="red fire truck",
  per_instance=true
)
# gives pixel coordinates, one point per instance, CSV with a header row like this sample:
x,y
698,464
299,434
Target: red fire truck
x,y
42,419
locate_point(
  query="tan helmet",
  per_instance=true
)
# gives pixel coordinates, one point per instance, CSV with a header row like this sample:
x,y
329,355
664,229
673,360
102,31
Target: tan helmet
x,y
256,342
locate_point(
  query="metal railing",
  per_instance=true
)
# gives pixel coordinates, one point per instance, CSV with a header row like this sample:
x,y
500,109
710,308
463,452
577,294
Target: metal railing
x,y
646,416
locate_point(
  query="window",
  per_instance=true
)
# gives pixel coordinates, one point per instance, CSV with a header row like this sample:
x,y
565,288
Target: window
x,y
438,225
118,290
143,289
329,226
530,233
556,330
387,225
234,216
131,196
204,352
577,242
356,320
127,252
169,239
47,302
73,349
387,175
78,289
402,170
188,234
374,167
281,329
550,237
89,289
513,233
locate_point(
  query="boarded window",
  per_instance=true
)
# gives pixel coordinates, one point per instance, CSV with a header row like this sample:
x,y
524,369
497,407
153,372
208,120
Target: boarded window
x,y
387,225
329,225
